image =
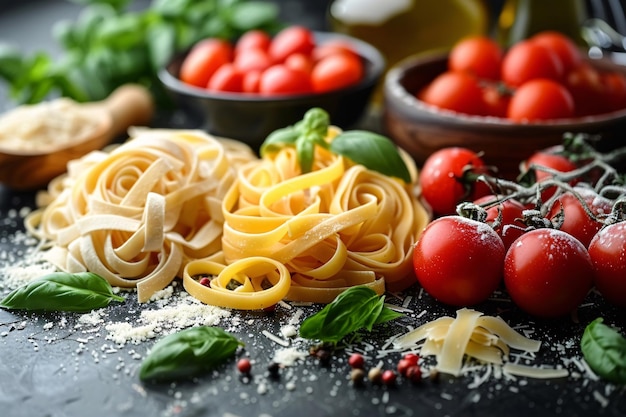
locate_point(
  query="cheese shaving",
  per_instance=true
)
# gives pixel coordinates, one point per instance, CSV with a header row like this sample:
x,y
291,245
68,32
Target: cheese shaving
x,y
471,334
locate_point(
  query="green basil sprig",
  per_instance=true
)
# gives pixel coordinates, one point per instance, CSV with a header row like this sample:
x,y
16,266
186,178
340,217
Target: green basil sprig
x,y
61,291
354,309
604,350
374,151
188,353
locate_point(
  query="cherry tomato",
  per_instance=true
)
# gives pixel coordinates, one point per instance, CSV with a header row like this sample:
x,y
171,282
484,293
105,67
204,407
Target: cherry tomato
x,y
549,158
585,85
280,79
252,59
614,85
441,179
459,261
576,221
477,55
496,99
226,78
250,82
336,71
540,99
547,272
253,39
511,226
332,47
568,52
203,60
608,252
527,60
300,62
457,91
291,40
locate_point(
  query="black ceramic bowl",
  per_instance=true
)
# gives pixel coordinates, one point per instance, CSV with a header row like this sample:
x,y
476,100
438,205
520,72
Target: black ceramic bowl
x,y
250,118
422,129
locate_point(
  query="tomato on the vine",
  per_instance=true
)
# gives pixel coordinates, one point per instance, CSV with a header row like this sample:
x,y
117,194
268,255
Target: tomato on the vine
x,y
547,272
477,55
548,158
511,213
444,179
576,221
456,91
459,261
608,254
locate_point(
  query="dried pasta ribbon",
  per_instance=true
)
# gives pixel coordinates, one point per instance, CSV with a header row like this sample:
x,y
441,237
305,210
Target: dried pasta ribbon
x,y
248,284
136,214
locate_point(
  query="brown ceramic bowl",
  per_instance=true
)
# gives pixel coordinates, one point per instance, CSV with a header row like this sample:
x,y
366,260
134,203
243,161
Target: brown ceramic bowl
x,y
421,129
251,117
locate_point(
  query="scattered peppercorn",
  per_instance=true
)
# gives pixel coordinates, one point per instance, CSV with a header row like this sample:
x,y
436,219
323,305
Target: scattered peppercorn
x,y
273,368
357,376
356,360
323,355
375,375
412,358
206,281
414,373
403,365
389,377
244,365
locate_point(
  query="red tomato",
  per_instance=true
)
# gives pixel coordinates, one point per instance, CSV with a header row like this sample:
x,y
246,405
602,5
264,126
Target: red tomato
x,y
459,261
442,180
250,82
457,91
511,226
280,79
496,99
253,39
332,47
226,78
576,221
336,71
568,52
252,59
608,251
291,40
548,158
300,62
614,85
547,272
527,60
585,85
540,99
203,60
478,55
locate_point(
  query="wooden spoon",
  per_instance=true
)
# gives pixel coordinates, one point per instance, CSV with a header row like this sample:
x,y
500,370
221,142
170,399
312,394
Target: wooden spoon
x,y
128,105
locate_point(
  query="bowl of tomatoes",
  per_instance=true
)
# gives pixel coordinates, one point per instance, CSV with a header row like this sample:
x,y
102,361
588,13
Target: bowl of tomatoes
x,y
246,88
505,104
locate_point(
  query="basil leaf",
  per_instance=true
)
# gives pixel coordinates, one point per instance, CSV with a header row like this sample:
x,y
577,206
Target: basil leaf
x,y
354,309
279,138
604,350
61,291
253,14
188,353
374,151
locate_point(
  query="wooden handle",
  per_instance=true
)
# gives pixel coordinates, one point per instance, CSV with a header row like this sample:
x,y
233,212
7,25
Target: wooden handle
x,y
129,105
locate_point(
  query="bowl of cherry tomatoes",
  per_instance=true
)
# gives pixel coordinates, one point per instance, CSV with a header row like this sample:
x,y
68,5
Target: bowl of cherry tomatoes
x,y
246,88
504,103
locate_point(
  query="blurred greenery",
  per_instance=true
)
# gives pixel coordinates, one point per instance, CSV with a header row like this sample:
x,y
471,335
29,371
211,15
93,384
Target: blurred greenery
x,y
108,45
